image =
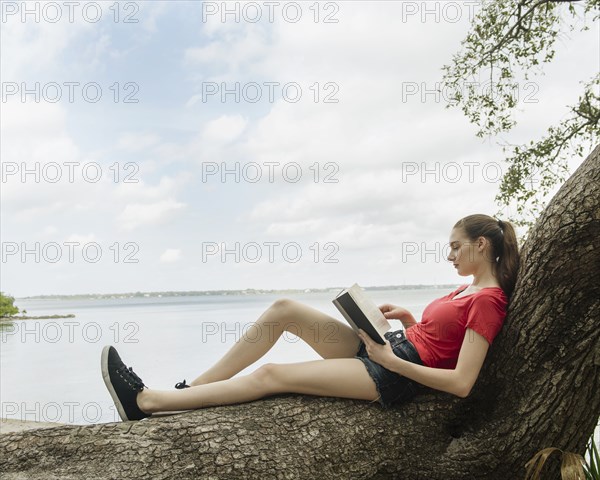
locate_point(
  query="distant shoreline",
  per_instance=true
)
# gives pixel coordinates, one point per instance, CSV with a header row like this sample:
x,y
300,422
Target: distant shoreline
x,y
247,291
40,317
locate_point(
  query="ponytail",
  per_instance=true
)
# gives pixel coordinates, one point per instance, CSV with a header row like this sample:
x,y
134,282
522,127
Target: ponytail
x,y
505,249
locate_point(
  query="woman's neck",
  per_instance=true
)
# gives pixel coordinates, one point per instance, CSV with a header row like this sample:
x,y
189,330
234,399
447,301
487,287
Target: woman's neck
x,y
484,279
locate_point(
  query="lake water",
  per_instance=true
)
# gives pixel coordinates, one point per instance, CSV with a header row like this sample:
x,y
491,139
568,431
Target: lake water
x,y
50,369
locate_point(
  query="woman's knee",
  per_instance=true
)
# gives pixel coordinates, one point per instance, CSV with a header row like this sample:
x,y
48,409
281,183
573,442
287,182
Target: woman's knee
x,y
284,304
285,311
266,376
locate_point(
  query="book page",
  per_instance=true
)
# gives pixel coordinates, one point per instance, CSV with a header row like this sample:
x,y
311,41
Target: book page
x,y
370,310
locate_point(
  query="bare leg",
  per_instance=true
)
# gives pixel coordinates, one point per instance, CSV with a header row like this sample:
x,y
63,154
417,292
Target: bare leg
x,y
329,337
341,377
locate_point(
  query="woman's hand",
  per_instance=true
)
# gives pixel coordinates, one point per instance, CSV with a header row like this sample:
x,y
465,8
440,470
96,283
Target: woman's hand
x,y
381,354
398,313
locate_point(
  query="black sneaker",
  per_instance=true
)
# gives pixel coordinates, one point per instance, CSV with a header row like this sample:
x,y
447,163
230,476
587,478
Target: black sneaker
x,y
123,385
181,385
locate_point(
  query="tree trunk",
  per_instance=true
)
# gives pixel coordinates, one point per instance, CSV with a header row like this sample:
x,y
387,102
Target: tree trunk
x,y
538,388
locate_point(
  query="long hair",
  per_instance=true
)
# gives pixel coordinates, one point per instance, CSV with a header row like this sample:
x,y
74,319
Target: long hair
x,y
505,249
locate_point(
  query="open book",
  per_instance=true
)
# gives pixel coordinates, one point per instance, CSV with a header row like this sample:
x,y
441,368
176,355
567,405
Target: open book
x,y
360,312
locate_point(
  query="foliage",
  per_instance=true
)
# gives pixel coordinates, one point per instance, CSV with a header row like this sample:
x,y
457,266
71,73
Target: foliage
x,y
592,471
509,42
573,466
7,308
548,157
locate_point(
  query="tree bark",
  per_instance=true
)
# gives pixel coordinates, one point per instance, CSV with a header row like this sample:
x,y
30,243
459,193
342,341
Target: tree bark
x,y
538,388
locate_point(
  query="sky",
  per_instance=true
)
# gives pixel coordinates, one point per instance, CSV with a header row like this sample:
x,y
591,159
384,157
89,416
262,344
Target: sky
x,y
187,145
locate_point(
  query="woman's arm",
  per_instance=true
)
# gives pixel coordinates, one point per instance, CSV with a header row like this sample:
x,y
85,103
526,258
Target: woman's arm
x,y
392,311
459,381
408,321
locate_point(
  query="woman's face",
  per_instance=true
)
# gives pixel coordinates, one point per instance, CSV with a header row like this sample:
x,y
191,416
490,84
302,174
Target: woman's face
x,y
464,254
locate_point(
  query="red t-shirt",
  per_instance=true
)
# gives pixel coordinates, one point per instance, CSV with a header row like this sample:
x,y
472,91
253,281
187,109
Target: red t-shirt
x,y
441,331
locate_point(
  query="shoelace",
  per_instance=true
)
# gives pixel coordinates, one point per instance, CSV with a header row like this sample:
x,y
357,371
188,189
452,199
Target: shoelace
x,y
131,378
180,385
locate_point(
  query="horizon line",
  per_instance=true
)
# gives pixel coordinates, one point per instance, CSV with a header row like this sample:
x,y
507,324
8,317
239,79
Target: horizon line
x,y
226,291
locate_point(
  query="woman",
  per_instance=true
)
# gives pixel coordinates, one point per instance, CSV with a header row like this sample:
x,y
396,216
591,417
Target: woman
x,y
445,351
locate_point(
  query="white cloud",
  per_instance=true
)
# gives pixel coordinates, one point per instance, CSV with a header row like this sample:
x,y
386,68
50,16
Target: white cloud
x,y
50,230
140,191
82,239
34,47
148,15
208,53
137,215
193,100
50,176
35,152
170,255
225,128
295,228
135,142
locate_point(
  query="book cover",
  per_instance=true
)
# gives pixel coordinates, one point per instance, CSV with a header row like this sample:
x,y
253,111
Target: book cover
x,y
361,312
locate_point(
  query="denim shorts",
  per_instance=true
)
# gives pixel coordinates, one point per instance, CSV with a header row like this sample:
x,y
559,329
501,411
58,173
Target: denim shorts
x,y
392,387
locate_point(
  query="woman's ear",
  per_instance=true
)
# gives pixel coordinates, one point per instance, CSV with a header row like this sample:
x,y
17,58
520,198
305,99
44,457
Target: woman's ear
x,y
482,244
